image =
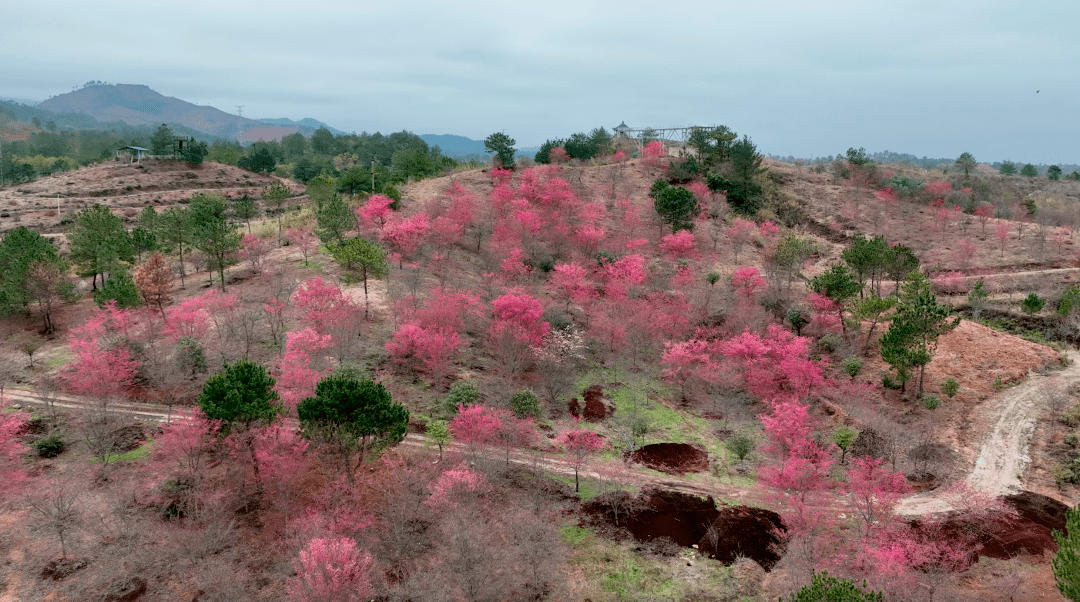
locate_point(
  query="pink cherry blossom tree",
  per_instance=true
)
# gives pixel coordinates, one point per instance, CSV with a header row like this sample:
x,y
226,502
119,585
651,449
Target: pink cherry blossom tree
x,y
580,444
331,570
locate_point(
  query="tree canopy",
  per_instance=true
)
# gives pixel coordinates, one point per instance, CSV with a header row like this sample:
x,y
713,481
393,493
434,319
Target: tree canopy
x,y
99,241
912,336
213,234
352,415
503,147
31,271
966,163
241,393
676,205
1066,562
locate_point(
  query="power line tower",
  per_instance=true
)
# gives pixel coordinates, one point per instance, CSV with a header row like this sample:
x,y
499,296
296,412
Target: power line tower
x,y
240,126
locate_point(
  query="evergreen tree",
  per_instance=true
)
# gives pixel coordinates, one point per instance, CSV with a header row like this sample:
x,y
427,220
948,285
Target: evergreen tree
x,y
1066,562
175,227
334,220
213,234
120,288
363,258
352,415
99,241
244,209
676,205
840,285
20,250
966,163
161,143
503,147
240,394
912,336
824,588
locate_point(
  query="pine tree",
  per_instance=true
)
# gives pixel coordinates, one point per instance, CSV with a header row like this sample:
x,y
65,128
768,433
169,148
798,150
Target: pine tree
x,y
1066,562
213,234
912,336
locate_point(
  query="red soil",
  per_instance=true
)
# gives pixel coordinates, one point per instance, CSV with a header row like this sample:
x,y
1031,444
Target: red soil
x,y
673,458
596,407
686,520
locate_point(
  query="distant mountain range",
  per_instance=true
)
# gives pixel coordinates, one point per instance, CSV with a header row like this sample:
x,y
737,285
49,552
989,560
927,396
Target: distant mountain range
x,y
462,147
22,101
455,146
140,105
306,125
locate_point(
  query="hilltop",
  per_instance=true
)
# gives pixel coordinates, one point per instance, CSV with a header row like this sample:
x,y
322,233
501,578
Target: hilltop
x,y
48,203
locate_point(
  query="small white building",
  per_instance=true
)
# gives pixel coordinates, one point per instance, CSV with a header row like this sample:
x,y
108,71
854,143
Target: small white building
x,y
133,153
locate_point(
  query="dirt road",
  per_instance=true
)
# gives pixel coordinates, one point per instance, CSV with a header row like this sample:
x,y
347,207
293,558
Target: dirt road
x,y
632,474
1004,454
997,470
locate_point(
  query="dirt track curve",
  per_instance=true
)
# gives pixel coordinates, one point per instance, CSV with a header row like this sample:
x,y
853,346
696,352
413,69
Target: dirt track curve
x,y
1004,454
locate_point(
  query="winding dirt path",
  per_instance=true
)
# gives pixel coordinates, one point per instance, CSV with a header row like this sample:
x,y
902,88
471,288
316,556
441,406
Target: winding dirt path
x,y
997,470
551,462
1004,454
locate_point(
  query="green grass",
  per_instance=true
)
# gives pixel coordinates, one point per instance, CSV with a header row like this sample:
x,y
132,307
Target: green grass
x,y
589,487
614,572
135,455
574,535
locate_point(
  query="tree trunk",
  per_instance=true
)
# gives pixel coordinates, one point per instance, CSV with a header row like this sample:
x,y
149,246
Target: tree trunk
x,y
182,283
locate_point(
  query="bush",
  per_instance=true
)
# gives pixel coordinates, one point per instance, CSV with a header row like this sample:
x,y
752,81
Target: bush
x,y
889,383
463,392
931,401
830,342
741,445
950,387
852,366
1070,301
525,404
1032,304
49,446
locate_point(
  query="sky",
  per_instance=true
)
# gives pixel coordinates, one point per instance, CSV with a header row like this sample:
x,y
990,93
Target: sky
x,y
931,78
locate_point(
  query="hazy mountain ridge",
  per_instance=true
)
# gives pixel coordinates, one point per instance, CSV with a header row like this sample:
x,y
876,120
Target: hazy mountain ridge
x,y
306,125
135,104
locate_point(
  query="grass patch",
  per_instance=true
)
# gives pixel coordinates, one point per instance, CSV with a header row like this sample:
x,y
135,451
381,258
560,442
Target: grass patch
x,y
135,455
589,487
574,535
613,572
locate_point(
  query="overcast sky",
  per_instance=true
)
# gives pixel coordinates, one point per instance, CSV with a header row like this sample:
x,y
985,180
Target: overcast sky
x,y
805,78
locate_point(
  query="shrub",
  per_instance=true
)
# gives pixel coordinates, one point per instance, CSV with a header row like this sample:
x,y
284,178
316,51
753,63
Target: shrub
x,y
1070,301
889,383
463,393
741,445
852,366
49,446
830,342
1032,304
931,401
950,387
525,404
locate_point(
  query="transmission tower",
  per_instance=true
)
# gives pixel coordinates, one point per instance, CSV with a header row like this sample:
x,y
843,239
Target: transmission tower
x,y
239,125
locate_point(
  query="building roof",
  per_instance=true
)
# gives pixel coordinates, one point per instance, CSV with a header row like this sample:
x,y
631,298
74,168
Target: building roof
x,y
138,148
